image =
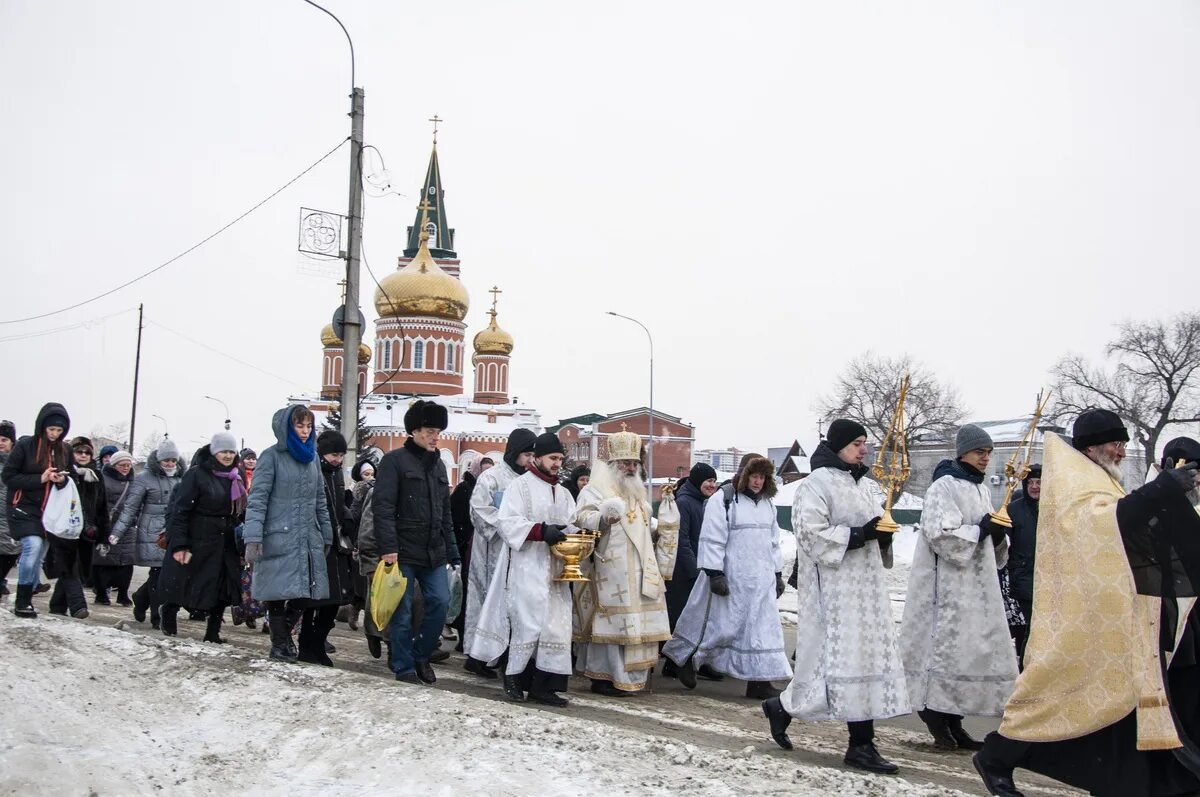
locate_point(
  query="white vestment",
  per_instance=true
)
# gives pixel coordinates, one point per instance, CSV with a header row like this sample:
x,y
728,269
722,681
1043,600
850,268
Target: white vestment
x,y
848,666
486,541
738,634
621,614
958,654
526,611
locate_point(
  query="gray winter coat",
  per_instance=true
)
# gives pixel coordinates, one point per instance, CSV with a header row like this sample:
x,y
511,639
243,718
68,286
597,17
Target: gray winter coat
x,y
146,507
8,546
288,515
116,490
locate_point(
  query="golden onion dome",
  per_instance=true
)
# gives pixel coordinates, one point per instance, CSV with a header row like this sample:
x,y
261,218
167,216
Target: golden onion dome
x,y
493,340
328,339
422,288
364,354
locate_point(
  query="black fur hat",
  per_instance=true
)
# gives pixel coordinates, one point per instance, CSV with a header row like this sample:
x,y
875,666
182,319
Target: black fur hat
x,y
1095,427
423,414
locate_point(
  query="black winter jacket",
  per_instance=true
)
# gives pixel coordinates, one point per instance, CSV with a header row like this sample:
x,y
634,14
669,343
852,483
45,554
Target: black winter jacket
x,y
338,564
411,506
22,475
1022,544
93,500
460,512
691,517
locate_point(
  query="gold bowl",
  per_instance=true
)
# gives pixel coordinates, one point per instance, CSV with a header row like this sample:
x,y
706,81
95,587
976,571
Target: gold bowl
x,y
574,549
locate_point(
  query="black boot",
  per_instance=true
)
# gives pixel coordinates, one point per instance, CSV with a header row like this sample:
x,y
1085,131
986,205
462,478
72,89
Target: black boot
x,y
123,598
312,647
102,598
996,781
669,669
281,640
709,674
477,667
608,689
141,602
512,688
780,720
425,672
169,620
212,632
549,699
155,617
24,605
865,756
963,739
687,675
761,690
375,646
935,721
439,655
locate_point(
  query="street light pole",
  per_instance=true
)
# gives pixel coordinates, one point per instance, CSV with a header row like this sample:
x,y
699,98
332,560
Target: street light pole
x,y
650,440
226,406
166,429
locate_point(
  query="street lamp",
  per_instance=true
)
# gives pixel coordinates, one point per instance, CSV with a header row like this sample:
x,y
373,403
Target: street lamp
x,y
166,429
226,406
650,441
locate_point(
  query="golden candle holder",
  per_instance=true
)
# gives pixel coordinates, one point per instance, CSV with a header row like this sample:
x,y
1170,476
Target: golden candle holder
x,y
1015,473
891,468
573,550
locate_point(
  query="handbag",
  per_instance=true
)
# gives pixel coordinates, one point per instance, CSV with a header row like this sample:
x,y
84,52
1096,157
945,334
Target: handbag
x,y
63,516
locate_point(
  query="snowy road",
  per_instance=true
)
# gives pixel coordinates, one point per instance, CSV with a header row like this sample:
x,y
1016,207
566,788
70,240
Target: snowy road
x,y
122,710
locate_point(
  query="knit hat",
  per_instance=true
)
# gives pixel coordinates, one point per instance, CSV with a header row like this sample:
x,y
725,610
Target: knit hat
x,y
1035,472
700,473
843,432
166,450
548,443
1184,448
223,441
1095,427
422,414
56,419
247,452
971,437
108,451
356,471
331,442
121,456
8,429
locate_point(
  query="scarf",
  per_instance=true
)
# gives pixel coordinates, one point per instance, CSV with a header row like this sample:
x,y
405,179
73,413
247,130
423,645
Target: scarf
x,y
826,457
959,470
546,477
236,488
304,452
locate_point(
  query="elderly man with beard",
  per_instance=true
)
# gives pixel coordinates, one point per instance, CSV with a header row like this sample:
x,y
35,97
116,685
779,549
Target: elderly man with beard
x,y
622,611
1109,700
526,612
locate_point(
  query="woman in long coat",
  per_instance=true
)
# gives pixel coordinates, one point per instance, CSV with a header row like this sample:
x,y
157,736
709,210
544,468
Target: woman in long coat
x,y
203,568
145,517
287,527
112,565
70,560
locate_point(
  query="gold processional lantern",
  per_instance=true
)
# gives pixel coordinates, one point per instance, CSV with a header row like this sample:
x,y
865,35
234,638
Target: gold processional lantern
x,y
891,467
1014,473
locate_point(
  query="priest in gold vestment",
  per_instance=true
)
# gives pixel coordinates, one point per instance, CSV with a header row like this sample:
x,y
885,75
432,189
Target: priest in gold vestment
x,y
1109,700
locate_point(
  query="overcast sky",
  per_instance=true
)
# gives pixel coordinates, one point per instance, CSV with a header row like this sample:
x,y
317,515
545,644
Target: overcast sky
x,y
773,188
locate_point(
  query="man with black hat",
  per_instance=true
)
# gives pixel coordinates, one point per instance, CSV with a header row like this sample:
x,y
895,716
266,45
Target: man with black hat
x,y
527,613
954,638
1016,580
413,526
848,666
486,540
1108,700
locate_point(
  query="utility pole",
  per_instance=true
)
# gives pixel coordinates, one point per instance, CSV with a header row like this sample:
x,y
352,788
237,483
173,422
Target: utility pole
x,y
137,367
352,336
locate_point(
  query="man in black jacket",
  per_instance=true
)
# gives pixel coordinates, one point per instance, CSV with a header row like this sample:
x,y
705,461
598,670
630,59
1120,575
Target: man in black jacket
x,y
1021,542
413,525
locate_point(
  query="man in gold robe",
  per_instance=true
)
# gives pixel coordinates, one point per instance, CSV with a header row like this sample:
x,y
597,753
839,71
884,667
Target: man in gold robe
x,y
1109,700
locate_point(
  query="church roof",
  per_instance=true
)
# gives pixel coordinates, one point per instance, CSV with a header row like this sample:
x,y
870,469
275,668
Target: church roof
x,y
442,241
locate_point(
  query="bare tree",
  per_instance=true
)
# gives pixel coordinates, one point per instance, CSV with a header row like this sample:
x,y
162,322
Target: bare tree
x,y
115,433
149,444
869,387
1151,379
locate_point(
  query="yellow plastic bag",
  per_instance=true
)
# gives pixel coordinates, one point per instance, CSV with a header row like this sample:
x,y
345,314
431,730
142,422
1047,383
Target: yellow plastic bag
x,y
387,588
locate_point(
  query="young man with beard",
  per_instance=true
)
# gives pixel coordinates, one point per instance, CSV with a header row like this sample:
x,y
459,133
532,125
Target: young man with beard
x,y
413,526
958,655
848,667
622,611
1016,580
731,621
486,540
1109,701
527,613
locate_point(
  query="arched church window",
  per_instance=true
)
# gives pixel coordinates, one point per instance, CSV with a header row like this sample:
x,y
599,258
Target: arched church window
x,y
419,355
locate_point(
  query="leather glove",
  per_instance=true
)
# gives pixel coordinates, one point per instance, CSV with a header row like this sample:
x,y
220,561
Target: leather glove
x,y
992,529
779,585
870,532
1185,477
552,534
253,552
718,583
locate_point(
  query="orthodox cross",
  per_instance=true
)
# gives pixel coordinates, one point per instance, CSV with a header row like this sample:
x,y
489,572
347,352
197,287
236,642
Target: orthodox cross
x,y
626,626
343,284
619,593
436,121
495,292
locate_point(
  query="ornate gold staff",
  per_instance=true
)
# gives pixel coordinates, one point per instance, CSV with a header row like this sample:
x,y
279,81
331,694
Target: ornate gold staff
x,y
892,474
1015,474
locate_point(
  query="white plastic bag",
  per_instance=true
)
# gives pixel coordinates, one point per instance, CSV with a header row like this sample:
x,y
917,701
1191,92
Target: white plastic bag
x,y
63,516
454,576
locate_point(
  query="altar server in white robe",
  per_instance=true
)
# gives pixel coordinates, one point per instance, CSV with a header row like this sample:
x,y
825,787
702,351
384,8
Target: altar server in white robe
x,y
731,620
958,654
486,541
848,665
526,611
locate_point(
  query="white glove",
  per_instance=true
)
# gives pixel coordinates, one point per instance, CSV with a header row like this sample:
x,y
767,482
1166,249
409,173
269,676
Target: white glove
x,y
113,540
611,509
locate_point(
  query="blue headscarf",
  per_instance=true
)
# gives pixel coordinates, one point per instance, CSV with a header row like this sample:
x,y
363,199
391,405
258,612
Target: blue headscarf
x,y
301,451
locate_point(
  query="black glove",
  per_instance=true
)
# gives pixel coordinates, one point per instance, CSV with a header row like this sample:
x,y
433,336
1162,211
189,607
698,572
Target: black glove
x,y
992,529
869,531
553,534
779,585
1185,477
717,582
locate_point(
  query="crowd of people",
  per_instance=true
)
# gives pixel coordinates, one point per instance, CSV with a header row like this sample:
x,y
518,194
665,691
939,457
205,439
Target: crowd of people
x,y
1088,650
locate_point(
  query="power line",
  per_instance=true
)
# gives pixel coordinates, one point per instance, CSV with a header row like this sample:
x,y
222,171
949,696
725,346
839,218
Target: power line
x,y
237,360
69,327
187,251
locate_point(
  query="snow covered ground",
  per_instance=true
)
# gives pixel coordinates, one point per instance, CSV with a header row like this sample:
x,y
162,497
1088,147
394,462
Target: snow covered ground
x,y
95,710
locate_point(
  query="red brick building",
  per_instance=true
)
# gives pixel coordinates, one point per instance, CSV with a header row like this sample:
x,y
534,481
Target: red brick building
x,y
585,439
